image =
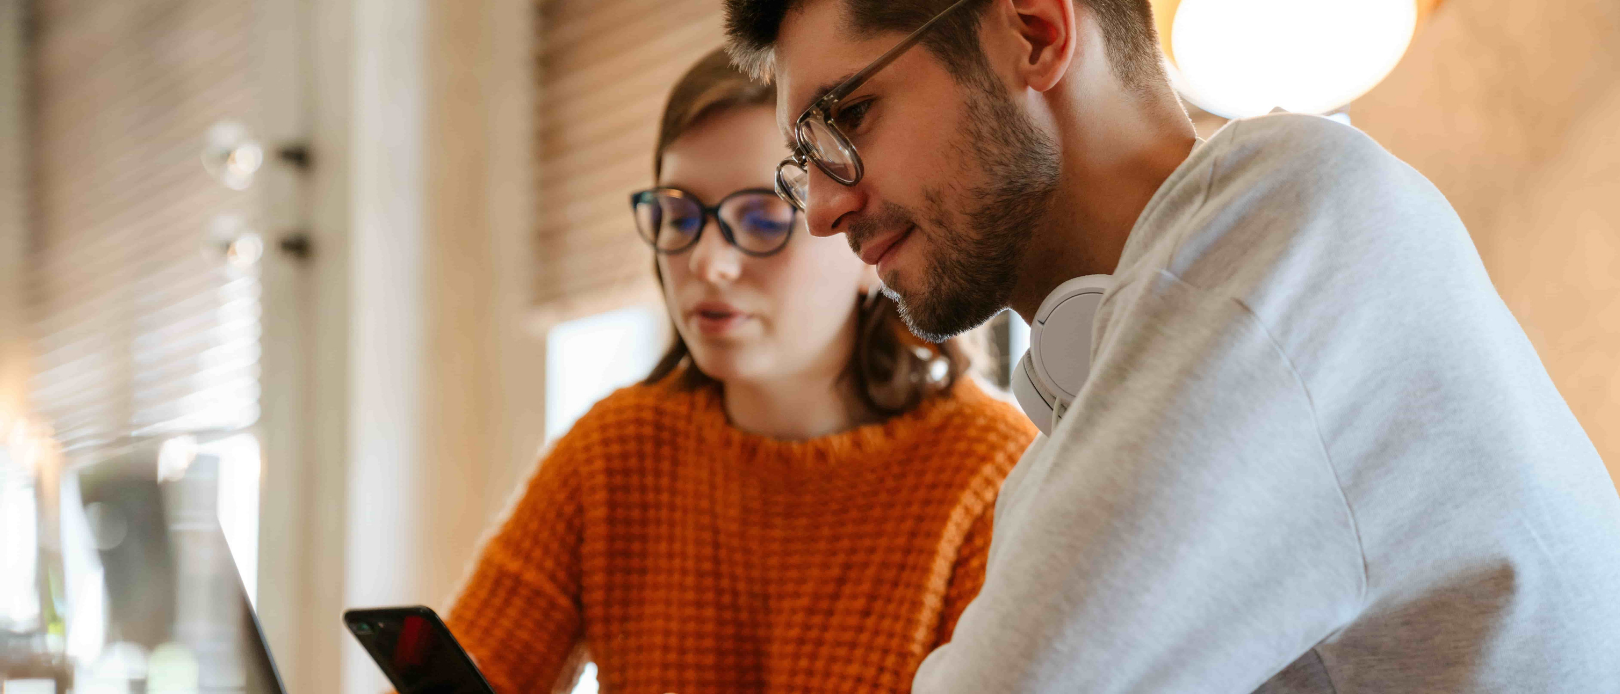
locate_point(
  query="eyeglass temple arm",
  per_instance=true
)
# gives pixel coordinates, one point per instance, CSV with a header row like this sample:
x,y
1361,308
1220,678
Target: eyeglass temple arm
x,y
883,61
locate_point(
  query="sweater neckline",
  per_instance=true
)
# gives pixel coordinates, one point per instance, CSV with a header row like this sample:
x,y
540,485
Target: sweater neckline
x,y
866,438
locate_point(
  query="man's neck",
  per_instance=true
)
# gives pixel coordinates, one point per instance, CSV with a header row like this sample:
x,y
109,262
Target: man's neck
x,y
1117,149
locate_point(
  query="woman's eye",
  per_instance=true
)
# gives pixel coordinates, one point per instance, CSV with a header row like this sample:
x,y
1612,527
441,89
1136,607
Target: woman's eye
x,y
850,117
686,224
760,222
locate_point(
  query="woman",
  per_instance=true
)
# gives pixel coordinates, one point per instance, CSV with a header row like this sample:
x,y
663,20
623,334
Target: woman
x,y
798,498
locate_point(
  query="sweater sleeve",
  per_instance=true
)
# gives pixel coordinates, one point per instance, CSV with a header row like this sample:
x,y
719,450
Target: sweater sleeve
x,y
967,574
519,612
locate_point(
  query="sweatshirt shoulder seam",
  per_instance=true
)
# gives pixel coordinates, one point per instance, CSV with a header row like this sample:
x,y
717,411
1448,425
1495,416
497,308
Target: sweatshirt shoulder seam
x,y
1321,442
1316,426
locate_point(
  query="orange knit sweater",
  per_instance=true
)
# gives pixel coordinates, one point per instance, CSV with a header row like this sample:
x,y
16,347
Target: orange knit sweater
x,y
688,556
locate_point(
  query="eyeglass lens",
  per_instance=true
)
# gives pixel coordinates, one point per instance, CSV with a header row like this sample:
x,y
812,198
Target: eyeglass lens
x,y
829,149
759,222
794,182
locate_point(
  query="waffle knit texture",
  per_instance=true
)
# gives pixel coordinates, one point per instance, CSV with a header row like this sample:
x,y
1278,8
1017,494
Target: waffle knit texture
x,y
681,554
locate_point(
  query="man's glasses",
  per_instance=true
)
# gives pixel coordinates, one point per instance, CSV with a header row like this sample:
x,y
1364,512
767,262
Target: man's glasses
x,y
756,221
816,134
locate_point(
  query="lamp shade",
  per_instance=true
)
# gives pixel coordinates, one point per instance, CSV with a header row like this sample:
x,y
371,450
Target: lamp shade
x,y
1239,58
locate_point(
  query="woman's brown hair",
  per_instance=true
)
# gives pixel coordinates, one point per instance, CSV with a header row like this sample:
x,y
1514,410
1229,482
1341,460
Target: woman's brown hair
x,y
893,369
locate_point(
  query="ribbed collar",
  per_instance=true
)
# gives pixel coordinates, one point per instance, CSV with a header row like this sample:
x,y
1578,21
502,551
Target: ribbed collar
x,y
709,419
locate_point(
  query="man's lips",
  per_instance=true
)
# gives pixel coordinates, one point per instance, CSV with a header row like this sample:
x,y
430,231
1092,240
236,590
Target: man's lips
x,y
873,254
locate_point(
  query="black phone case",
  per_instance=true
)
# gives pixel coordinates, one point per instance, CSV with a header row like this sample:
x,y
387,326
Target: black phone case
x,y
353,618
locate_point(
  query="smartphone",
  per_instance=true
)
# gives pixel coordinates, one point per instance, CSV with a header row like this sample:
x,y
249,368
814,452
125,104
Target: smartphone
x,y
416,651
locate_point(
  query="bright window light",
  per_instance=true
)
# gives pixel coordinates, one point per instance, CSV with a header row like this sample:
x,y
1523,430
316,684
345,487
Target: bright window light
x,y
587,681
1240,58
1017,337
19,545
240,468
588,358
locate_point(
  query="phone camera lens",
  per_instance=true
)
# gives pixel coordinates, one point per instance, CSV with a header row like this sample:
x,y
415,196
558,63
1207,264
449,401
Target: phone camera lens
x,y
362,628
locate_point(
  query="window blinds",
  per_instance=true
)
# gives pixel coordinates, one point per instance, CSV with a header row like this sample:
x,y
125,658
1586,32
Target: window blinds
x,y
141,326
605,70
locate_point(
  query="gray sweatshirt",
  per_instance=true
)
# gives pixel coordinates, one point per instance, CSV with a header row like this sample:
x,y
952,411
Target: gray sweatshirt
x,y
1316,453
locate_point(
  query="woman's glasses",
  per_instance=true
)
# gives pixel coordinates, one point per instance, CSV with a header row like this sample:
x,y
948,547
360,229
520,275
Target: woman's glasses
x,y
755,221
818,138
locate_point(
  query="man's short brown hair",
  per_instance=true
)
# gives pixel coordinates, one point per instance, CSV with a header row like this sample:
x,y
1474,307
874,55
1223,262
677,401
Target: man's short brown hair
x,y
1127,27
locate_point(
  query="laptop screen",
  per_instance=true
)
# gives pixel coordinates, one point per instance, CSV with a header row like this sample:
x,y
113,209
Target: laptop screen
x,y
174,598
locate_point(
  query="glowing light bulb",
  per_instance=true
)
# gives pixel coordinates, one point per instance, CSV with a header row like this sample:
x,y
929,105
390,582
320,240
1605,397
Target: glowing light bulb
x,y
246,250
230,236
1239,58
231,154
245,159
175,456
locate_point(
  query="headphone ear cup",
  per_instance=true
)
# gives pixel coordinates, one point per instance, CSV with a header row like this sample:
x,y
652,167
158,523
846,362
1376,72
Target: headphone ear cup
x,y
1058,363
1028,392
1062,351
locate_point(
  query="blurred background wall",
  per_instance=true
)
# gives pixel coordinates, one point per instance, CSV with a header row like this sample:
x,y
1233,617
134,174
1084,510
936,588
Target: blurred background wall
x,y
446,271
355,307
1512,109
14,328
604,70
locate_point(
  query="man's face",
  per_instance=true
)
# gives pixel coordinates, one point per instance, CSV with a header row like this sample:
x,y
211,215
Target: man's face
x,y
956,175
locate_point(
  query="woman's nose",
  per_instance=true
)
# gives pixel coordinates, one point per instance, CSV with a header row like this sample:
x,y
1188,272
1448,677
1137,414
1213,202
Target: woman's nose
x,y
713,259
828,201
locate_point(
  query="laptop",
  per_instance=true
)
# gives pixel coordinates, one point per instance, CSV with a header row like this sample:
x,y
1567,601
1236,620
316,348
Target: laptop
x,y
172,587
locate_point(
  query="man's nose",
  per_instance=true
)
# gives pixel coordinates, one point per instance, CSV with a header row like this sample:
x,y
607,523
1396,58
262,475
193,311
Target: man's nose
x,y
828,202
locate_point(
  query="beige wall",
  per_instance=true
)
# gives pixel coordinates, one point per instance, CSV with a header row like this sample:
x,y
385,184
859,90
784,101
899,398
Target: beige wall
x,y
402,346
485,417
1512,108
445,386
13,207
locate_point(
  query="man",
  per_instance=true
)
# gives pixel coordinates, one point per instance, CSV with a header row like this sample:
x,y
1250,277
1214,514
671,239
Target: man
x,y
1315,452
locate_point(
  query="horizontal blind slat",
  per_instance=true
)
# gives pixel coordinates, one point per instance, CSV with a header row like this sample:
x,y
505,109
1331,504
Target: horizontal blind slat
x,y
139,325
597,126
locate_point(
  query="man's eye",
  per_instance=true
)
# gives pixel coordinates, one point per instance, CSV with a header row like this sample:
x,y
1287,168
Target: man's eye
x,y
850,117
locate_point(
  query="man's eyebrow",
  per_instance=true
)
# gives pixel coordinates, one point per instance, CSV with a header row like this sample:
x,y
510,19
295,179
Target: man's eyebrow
x,y
821,91
826,87
831,85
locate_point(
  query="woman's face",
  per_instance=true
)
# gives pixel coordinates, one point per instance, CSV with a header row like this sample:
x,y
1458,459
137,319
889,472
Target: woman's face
x,y
746,318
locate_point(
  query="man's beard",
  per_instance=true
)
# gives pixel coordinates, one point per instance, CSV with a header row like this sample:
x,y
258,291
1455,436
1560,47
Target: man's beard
x,y
969,275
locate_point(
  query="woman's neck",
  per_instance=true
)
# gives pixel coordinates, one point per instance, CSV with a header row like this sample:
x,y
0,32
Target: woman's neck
x,y
796,409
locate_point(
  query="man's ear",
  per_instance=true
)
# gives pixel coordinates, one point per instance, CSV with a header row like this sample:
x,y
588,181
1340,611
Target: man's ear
x,y
1044,34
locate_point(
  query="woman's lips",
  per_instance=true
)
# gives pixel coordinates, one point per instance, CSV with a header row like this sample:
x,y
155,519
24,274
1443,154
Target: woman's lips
x,y
716,319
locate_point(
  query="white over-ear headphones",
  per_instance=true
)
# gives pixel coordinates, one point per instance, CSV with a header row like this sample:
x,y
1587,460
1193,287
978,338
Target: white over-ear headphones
x,y
1051,373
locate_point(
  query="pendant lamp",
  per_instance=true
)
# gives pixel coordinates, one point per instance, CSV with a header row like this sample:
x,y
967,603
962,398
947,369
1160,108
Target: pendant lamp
x,y
1238,58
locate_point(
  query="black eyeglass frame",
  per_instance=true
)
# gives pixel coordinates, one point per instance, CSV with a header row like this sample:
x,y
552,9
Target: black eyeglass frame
x,y
825,107
710,212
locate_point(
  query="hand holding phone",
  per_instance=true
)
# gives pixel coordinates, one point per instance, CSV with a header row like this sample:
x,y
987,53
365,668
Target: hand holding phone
x,y
416,651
